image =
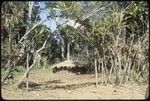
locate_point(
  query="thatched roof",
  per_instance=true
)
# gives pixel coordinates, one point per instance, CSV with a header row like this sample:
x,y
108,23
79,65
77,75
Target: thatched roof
x,y
69,64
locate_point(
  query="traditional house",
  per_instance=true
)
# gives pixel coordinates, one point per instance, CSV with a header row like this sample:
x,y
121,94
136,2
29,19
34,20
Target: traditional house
x,y
77,67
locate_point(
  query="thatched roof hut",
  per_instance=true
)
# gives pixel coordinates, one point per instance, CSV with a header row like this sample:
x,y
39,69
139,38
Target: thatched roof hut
x,y
74,66
69,64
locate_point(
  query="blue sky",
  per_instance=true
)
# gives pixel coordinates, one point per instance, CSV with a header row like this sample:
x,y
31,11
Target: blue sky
x,y
51,23
43,15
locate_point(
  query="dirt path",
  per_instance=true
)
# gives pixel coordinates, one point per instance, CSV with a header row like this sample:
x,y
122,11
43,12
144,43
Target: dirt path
x,y
71,86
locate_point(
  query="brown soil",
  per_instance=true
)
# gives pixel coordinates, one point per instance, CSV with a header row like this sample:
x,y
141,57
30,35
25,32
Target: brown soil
x,y
70,86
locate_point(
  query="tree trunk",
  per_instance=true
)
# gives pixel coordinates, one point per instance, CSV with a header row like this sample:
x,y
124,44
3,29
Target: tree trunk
x,y
34,62
27,76
87,51
111,68
96,76
68,51
44,62
103,71
125,72
147,93
62,48
62,52
27,66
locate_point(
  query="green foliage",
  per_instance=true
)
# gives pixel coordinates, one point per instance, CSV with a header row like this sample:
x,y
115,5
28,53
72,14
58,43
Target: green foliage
x,y
70,32
12,13
135,18
71,9
19,70
138,8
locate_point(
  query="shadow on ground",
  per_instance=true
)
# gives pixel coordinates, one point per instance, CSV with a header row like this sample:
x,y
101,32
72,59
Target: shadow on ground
x,y
56,84
38,86
71,86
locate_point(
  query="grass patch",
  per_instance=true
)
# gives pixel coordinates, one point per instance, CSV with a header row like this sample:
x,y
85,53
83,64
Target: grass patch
x,y
2,74
46,69
19,71
41,70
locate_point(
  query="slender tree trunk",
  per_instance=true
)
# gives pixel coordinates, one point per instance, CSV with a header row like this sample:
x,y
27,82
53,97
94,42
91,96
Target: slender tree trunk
x,y
27,76
62,52
7,66
98,69
27,66
87,51
96,76
128,71
62,48
103,71
30,5
68,51
111,68
125,71
34,62
45,62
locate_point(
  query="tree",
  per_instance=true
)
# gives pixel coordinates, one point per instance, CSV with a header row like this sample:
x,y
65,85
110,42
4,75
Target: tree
x,y
12,17
105,33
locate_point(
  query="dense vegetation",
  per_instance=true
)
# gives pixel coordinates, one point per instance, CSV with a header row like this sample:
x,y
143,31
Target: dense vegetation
x,y
112,36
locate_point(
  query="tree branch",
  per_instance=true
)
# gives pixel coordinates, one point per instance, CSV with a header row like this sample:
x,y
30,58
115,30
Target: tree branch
x,y
31,30
95,12
43,45
36,53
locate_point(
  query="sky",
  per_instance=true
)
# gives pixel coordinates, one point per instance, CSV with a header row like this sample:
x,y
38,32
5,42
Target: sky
x,y
43,15
51,23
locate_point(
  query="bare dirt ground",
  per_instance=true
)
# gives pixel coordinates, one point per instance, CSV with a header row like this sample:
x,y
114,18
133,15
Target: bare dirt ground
x,y
70,86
